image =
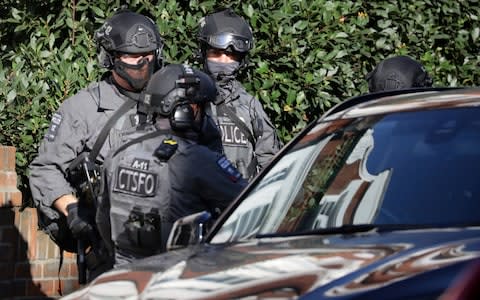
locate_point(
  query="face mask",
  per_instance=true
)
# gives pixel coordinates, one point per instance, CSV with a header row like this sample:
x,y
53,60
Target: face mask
x,y
221,70
136,75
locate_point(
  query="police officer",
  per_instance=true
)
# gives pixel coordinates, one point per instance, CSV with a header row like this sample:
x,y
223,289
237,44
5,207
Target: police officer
x,y
248,136
160,172
398,72
129,47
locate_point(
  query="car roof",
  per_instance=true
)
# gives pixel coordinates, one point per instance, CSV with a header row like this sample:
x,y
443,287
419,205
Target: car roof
x,y
404,100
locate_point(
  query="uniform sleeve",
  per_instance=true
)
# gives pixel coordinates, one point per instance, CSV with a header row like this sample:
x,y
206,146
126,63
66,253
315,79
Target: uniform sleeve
x,y
268,142
63,141
210,135
216,179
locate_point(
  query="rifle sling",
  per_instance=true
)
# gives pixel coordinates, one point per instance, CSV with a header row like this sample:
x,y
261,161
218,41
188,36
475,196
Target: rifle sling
x,y
147,136
123,109
241,125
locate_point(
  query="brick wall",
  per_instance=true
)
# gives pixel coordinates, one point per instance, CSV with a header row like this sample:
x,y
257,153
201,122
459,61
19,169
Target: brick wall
x,y
29,261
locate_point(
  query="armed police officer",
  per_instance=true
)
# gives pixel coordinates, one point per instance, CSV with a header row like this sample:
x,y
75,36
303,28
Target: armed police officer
x,y
160,172
398,72
248,136
129,47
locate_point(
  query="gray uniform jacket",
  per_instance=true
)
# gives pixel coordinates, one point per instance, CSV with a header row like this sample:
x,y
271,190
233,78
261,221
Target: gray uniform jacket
x,y
237,146
139,181
73,129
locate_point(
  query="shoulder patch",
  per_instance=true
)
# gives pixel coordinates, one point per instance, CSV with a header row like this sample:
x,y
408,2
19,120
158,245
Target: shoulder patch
x,y
54,125
227,167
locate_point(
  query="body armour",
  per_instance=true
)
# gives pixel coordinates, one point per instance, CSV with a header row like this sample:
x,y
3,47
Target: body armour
x,y
248,150
153,179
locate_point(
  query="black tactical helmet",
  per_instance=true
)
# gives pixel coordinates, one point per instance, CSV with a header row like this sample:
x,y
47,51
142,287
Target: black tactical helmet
x,y
399,72
127,32
175,86
225,30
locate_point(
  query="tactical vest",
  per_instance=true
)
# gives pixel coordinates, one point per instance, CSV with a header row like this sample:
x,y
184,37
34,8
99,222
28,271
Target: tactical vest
x,y
139,195
239,134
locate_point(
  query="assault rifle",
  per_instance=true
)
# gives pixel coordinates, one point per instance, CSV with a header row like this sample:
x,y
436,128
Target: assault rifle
x,y
84,176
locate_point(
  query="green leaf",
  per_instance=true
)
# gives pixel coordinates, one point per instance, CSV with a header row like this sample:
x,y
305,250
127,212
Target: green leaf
x,y
341,35
475,33
16,14
11,96
99,12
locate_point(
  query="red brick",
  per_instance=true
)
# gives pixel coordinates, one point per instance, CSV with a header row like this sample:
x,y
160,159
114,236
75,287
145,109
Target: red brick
x,y
7,253
69,286
7,216
9,194
27,232
70,255
7,271
41,287
43,245
53,251
7,158
37,289
19,287
8,180
46,248
36,269
8,290
50,269
71,271
74,270
27,270
40,251
9,199
9,235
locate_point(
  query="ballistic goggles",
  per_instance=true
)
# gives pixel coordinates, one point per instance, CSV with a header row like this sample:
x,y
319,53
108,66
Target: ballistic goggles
x,y
225,40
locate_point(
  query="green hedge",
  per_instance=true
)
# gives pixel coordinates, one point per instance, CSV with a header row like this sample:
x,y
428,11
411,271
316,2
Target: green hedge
x,y
308,55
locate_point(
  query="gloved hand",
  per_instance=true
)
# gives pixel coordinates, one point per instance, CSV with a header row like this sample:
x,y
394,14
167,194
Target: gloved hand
x,y
77,223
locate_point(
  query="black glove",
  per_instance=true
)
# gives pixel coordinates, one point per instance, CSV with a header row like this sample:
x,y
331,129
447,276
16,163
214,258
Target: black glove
x,y
78,224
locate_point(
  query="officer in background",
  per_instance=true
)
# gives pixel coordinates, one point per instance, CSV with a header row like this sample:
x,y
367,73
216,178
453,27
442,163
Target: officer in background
x,y
398,72
160,172
129,47
248,136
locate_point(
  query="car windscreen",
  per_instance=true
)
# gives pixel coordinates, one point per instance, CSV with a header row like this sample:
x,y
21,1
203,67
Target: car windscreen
x,y
414,168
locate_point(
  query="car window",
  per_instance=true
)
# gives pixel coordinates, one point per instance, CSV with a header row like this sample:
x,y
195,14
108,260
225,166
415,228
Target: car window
x,y
404,168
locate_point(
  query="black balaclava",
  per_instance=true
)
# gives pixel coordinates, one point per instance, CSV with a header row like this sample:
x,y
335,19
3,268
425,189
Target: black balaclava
x,y
139,82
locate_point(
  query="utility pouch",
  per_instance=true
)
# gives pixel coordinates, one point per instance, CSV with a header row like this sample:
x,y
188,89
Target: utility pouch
x,y
150,234
133,226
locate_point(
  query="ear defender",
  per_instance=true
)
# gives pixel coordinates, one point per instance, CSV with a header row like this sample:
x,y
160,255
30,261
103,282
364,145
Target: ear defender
x,y
182,117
